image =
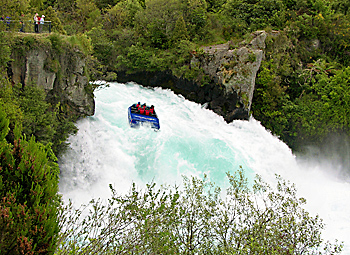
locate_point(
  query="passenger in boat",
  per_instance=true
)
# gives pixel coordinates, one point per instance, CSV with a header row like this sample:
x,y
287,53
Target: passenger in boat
x,y
139,106
133,108
147,111
151,110
142,110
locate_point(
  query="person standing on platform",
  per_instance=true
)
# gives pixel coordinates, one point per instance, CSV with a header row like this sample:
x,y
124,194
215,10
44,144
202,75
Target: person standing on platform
x,y
42,22
36,23
21,22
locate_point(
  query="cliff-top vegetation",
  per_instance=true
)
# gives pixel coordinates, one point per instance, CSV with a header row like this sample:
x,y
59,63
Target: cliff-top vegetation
x,y
309,52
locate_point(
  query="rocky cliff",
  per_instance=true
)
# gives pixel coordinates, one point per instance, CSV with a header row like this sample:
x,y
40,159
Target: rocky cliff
x,y
57,67
234,66
231,70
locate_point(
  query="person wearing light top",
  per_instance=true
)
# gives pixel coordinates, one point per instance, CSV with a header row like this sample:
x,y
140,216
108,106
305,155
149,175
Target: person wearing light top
x,y
36,25
42,22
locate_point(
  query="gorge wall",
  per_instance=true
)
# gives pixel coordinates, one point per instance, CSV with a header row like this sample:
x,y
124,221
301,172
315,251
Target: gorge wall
x,y
231,68
57,67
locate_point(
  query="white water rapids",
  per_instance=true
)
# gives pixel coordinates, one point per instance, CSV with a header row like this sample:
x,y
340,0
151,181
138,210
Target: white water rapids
x,y
192,141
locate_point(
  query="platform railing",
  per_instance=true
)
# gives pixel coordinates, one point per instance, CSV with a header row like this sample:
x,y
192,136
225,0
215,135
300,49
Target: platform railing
x,y
25,26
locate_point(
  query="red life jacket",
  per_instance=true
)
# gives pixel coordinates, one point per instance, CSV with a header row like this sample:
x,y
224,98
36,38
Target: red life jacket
x,y
151,110
147,112
142,110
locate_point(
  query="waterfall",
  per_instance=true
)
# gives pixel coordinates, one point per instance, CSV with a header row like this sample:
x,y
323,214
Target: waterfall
x,y
192,141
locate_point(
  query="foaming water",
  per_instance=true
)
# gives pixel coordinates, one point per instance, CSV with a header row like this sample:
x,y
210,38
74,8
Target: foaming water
x,y
192,141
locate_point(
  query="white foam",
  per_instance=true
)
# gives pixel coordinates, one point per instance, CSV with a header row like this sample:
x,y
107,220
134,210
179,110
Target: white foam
x,y
192,141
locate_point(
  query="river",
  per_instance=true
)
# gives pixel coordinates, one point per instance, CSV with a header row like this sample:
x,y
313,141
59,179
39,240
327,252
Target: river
x,y
192,141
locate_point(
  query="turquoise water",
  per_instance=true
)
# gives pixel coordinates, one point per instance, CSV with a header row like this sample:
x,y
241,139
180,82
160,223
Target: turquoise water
x,y
192,141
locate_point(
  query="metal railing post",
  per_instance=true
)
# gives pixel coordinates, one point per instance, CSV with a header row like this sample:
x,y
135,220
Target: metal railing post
x,y
25,26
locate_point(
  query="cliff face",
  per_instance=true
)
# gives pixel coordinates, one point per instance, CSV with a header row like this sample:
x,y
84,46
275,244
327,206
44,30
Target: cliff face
x,y
231,69
234,67
59,69
60,73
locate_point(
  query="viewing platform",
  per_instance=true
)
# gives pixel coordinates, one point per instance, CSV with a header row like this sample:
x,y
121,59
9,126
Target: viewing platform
x,y
24,26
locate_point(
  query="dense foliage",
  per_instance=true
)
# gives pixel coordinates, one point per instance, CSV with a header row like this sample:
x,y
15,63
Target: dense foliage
x,y
28,190
302,95
28,169
197,219
45,119
154,35
302,102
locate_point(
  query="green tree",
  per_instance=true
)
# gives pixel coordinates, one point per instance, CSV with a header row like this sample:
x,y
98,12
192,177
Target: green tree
x,y
66,6
195,14
105,4
198,219
39,116
180,30
123,14
157,22
257,14
13,9
270,98
103,49
342,6
146,58
9,104
215,5
28,190
36,4
87,13
48,3
5,51
324,109
56,23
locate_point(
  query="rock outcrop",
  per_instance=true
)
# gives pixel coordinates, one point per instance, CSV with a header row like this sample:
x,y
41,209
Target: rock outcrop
x,y
231,70
235,68
60,74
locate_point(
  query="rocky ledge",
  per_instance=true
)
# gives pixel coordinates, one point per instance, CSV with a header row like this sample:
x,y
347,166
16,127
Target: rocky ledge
x,y
59,72
231,69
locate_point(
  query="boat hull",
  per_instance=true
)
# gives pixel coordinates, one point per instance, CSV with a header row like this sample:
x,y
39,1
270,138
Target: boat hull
x,y
137,119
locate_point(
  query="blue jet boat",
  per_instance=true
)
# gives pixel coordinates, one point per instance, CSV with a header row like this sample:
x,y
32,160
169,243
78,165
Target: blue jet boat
x,y
143,115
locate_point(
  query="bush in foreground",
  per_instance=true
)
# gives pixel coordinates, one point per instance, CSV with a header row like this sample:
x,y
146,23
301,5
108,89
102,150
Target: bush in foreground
x,y
197,219
28,194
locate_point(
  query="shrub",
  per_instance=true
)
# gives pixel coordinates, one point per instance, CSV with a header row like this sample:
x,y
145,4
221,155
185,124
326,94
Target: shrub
x,y
28,191
196,220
